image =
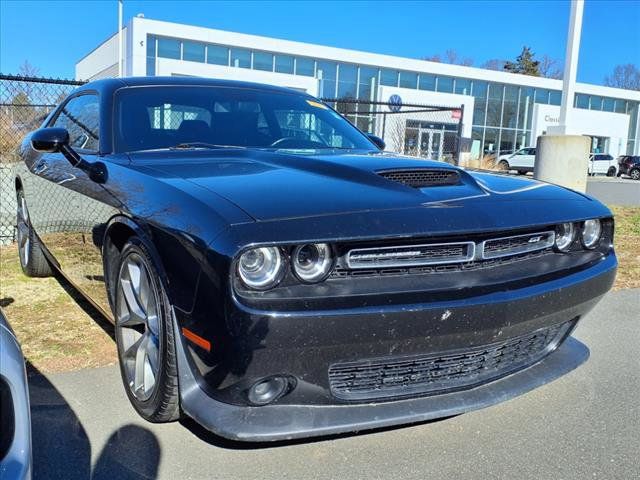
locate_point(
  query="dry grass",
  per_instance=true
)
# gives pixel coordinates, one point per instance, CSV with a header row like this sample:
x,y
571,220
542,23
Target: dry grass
x,y
61,332
58,332
627,244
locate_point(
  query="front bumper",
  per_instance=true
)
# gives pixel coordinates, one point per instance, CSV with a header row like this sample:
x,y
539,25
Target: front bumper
x,y
472,321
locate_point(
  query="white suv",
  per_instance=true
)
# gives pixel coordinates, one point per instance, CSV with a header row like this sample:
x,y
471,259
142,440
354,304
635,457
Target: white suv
x,y
522,161
602,163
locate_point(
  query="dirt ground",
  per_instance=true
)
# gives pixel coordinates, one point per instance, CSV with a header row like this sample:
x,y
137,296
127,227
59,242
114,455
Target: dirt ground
x,y
60,331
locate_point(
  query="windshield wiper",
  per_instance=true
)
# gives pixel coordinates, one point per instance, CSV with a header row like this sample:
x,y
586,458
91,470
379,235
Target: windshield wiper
x,y
187,145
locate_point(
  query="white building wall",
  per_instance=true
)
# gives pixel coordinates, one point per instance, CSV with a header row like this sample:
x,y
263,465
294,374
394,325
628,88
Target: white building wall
x,y
614,126
102,62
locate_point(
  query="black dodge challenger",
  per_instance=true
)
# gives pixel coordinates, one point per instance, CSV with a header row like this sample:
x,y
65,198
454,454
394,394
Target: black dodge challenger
x,y
273,273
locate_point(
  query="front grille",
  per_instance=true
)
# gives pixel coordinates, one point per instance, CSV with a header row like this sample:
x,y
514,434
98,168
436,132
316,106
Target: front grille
x,y
413,255
505,246
439,373
422,177
341,272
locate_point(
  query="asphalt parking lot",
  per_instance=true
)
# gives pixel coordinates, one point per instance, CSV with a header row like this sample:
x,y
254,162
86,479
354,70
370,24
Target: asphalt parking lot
x,y
584,425
615,191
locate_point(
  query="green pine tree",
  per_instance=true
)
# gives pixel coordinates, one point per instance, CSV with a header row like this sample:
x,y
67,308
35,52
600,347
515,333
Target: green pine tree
x,y
525,64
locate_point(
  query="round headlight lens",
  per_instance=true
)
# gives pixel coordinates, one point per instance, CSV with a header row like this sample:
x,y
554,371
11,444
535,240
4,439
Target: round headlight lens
x,y
565,233
312,262
591,232
260,268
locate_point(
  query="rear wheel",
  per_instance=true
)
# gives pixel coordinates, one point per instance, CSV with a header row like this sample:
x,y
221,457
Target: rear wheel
x,y
635,173
503,165
32,258
144,336
611,172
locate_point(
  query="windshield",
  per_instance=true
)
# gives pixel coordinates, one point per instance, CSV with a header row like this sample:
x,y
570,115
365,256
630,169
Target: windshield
x,y
177,116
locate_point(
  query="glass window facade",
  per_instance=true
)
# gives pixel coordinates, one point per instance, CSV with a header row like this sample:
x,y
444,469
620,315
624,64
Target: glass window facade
x,y
193,51
502,114
284,64
263,61
240,58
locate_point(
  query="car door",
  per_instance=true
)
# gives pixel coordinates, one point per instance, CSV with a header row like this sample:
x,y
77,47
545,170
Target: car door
x,y
517,160
56,201
529,158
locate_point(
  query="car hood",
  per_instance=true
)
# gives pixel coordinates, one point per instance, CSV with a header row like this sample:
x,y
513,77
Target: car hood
x,y
280,185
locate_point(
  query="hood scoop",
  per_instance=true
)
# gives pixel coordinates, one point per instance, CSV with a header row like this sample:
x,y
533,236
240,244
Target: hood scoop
x,y
422,177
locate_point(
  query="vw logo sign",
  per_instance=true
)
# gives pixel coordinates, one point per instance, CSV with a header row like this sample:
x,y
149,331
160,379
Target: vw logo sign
x,y
395,103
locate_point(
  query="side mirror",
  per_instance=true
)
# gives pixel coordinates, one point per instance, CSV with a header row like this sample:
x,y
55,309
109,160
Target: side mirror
x,y
49,140
378,141
54,140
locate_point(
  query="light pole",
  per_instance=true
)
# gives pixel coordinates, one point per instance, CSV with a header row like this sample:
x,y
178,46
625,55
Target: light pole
x,y
120,38
562,155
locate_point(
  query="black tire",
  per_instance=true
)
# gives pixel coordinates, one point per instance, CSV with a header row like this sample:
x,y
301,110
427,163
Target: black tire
x,y
522,172
611,172
503,165
33,261
162,403
635,173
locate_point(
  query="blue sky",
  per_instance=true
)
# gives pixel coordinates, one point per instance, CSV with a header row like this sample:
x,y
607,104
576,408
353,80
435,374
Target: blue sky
x,y
53,35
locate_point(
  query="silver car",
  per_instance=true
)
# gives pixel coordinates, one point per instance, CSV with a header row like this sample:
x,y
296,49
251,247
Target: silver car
x,y
15,417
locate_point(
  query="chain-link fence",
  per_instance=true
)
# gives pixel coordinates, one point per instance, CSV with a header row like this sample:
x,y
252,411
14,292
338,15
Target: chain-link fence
x,y
24,104
425,131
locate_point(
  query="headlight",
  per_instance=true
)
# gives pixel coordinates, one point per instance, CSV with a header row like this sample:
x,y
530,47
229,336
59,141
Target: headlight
x,y
260,268
565,233
312,262
591,232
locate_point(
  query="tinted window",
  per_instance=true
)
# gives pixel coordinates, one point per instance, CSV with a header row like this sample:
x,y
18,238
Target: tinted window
x,y
389,77
162,117
81,117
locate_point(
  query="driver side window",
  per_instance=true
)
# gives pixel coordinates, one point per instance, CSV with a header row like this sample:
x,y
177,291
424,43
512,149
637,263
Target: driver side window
x,y
80,116
304,125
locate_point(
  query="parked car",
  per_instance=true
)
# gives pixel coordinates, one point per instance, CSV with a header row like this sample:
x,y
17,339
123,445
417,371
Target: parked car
x,y
522,160
629,165
273,274
15,416
603,164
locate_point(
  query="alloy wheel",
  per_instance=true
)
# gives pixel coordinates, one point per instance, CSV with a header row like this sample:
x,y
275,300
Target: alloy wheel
x,y
137,325
24,239
635,174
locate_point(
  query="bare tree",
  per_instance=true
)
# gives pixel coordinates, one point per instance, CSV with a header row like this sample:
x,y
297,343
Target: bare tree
x,y
550,67
624,76
433,58
451,57
494,64
28,70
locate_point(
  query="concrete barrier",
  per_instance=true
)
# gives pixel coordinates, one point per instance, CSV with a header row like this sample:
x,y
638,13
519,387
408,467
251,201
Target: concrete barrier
x,y
563,160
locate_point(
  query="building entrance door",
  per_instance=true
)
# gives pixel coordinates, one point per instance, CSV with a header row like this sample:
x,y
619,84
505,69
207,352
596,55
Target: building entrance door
x,y
431,143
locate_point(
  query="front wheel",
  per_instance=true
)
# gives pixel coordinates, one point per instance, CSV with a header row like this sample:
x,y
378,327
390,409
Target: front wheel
x,y
611,172
144,336
635,173
503,166
32,258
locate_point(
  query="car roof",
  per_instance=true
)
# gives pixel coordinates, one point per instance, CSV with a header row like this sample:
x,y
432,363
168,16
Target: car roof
x,y
112,84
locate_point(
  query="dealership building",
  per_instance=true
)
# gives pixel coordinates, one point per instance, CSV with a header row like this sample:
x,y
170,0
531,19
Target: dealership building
x,y
501,111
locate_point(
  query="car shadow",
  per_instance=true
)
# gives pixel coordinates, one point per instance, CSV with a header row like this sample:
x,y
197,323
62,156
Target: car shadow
x,y
61,447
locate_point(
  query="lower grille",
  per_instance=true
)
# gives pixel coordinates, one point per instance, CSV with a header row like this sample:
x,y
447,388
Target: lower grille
x,y
431,374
